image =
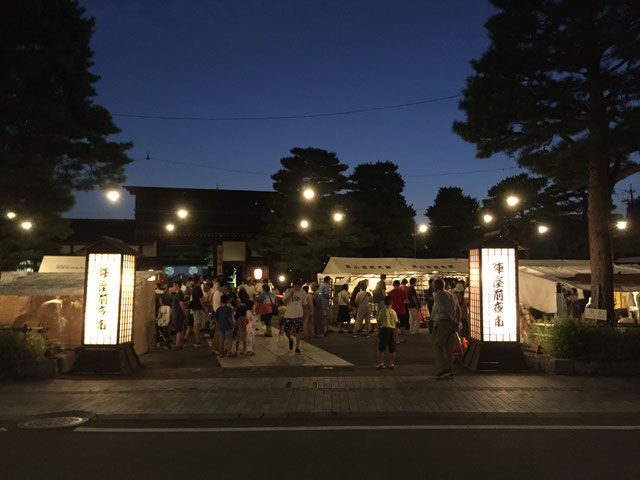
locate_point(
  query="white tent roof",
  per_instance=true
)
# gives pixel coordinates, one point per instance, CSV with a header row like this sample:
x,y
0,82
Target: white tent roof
x,y
345,266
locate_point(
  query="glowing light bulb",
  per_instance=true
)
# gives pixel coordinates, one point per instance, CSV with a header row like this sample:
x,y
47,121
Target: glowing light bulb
x,y
422,228
304,224
113,196
11,215
338,217
308,193
543,229
487,218
26,225
182,213
621,225
282,278
169,227
512,201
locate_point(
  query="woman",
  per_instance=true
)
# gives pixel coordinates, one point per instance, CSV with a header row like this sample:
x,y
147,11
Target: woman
x,y
464,310
343,309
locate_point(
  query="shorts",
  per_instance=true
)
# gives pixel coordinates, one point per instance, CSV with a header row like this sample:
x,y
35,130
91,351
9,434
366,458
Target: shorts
x,y
241,335
387,338
178,324
266,319
293,324
343,314
226,335
189,320
403,320
199,317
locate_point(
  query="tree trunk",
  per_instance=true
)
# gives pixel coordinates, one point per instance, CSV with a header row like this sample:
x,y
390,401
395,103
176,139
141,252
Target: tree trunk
x,y
600,251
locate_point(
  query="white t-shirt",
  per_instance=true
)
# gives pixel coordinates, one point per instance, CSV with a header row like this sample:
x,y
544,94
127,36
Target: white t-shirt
x,y
343,298
296,302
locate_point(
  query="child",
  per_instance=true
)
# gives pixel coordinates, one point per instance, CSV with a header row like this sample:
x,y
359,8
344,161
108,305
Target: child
x,y
224,317
250,326
387,321
241,328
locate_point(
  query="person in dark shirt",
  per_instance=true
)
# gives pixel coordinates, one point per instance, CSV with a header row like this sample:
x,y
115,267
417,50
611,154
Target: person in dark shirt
x,y
197,309
178,312
428,295
413,305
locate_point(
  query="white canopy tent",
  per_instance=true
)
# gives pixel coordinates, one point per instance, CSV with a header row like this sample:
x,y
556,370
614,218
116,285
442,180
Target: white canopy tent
x,y
537,278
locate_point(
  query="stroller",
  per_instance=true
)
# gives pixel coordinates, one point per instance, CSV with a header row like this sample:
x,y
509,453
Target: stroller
x,y
163,327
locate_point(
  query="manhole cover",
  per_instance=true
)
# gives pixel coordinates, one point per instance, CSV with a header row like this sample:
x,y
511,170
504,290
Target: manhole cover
x,y
52,422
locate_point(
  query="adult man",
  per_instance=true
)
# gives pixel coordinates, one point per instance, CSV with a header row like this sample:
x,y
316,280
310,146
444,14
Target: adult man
x,y
399,298
324,294
178,312
428,296
295,299
198,309
413,304
446,318
379,293
363,309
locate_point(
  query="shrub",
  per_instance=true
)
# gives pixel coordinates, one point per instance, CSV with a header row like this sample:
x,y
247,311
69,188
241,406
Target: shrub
x,y
16,345
568,337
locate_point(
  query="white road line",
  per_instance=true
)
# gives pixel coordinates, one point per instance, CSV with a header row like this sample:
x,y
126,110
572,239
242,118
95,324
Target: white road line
x,y
331,428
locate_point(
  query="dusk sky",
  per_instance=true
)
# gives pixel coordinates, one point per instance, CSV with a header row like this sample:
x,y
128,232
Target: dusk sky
x,y
251,58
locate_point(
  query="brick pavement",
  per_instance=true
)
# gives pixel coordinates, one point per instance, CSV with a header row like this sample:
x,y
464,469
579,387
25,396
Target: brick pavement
x,y
324,396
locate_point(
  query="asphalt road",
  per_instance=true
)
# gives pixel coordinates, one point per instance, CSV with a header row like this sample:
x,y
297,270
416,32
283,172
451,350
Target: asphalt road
x,y
412,449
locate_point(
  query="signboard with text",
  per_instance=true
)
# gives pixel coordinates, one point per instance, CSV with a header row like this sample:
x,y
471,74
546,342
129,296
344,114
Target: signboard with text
x,y
102,299
499,295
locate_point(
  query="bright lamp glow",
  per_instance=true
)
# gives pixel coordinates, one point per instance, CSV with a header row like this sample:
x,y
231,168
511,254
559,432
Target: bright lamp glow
x,y
182,213
257,273
308,193
499,302
621,225
422,228
543,229
304,224
282,278
338,217
512,201
487,218
26,225
113,195
11,215
169,227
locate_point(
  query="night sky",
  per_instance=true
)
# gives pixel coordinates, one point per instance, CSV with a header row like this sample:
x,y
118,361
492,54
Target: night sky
x,y
256,58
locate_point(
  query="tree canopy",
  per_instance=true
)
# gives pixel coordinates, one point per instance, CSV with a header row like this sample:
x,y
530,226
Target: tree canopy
x,y
53,137
376,204
559,90
453,220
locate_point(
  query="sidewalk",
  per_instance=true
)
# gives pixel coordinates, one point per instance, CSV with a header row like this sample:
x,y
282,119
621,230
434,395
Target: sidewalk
x,y
381,395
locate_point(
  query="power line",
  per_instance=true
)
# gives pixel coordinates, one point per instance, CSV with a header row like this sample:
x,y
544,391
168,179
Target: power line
x,y
285,117
464,172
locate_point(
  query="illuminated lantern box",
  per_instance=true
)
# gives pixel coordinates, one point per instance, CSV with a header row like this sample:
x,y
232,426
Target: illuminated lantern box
x,y
108,308
494,329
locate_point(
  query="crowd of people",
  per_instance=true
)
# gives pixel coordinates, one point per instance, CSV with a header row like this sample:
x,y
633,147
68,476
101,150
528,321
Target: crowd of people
x,y
233,316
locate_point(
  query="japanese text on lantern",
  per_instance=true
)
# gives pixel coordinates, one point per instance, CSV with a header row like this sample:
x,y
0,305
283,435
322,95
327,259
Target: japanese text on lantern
x,y
103,279
499,295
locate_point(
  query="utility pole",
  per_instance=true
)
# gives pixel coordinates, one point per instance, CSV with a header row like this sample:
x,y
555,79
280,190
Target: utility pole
x,y
630,201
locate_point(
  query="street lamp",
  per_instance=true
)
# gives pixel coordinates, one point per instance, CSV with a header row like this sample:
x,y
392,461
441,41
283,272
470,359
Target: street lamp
x,y
282,278
338,217
543,229
308,193
621,225
113,196
182,213
487,218
422,228
304,224
169,227
512,201
11,215
26,225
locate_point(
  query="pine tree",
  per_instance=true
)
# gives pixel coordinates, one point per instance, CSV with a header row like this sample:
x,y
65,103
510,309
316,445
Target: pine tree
x,y
559,90
53,137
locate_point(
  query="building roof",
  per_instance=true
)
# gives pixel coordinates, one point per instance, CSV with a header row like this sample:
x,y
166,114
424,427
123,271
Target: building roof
x,y
89,230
